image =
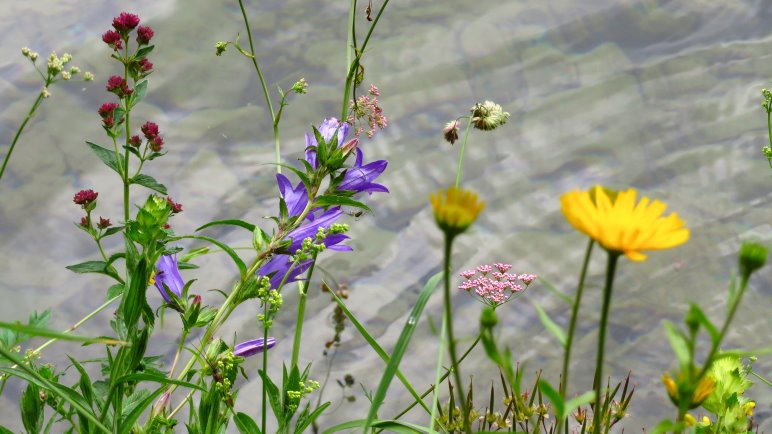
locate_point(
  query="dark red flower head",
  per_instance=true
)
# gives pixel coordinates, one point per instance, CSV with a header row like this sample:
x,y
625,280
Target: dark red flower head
x,y
84,222
150,130
135,141
103,223
125,22
108,122
113,39
117,85
85,197
156,143
107,109
176,207
144,34
145,67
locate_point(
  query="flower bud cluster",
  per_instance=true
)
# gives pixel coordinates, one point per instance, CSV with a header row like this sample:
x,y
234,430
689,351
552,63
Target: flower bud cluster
x,y
495,288
488,116
55,69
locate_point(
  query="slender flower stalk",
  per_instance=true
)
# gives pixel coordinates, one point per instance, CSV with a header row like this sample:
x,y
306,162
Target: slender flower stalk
x,y
303,291
572,324
30,114
461,154
613,257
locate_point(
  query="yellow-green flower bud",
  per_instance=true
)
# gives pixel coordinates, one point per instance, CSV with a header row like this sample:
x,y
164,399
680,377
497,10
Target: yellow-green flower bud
x,y
752,256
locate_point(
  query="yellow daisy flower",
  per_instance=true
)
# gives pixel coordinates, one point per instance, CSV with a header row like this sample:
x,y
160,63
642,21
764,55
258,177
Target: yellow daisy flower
x,y
616,222
456,209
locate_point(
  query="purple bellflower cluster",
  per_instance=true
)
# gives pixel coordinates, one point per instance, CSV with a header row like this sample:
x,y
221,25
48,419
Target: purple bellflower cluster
x,y
357,179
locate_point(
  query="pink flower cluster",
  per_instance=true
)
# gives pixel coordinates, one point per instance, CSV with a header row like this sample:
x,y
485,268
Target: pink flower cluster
x,y
366,106
495,288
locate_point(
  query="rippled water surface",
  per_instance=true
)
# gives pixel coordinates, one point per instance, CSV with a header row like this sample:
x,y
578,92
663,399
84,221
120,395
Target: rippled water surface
x,y
659,95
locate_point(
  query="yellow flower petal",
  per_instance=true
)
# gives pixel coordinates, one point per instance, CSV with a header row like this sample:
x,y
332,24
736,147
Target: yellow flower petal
x,y
618,223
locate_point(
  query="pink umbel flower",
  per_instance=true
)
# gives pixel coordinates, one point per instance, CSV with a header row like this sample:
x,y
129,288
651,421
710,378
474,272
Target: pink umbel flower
x,y
125,22
144,35
367,106
113,39
494,288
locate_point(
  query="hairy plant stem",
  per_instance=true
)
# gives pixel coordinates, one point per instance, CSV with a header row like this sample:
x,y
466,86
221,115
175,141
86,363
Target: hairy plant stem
x,y
451,337
30,114
572,324
463,148
613,258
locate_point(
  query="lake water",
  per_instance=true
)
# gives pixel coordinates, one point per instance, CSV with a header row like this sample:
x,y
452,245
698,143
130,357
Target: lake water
x,y
663,96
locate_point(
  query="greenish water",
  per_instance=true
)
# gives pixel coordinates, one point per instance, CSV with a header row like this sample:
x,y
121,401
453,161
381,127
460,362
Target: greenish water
x,y
659,95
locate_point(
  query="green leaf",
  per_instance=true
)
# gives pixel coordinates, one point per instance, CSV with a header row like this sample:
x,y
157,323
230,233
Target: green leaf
x,y
274,396
46,333
70,396
149,182
4,430
108,157
111,231
127,423
140,90
328,200
98,267
550,325
401,347
378,349
143,52
573,404
226,248
680,345
555,398
386,425
31,408
305,420
245,424
665,426
553,289
303,177
114,291
231,222
703,319
157,379
84,383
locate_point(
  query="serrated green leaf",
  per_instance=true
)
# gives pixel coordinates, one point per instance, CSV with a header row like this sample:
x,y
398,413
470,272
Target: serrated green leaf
x,y
550,325
149,182
108,157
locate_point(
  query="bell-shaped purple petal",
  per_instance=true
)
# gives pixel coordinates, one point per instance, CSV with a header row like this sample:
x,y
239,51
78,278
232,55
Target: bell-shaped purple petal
x,y
279,266
295,198
167,274
360,178
252,347
310,229
327,130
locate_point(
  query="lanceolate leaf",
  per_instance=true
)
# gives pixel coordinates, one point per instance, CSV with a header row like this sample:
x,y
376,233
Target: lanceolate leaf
x,y
328,200
149,182
550,325
226,248
99,267
108,157
231,222
46,333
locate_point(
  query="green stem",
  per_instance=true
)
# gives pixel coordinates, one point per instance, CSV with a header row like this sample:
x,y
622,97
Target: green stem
x,y
572,323
354,65
303,290
451,337
613,257
264,412
437,380
179,351
127,134
262,85
461,156
30,114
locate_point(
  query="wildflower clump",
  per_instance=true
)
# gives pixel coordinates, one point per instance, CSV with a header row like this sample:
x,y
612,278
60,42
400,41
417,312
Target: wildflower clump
x,y
495,288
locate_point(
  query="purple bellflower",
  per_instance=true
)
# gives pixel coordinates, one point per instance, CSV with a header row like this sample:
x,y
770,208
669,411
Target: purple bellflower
x,y
295,198
167,274
278,266
360,178
327,130
252,347
324,220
